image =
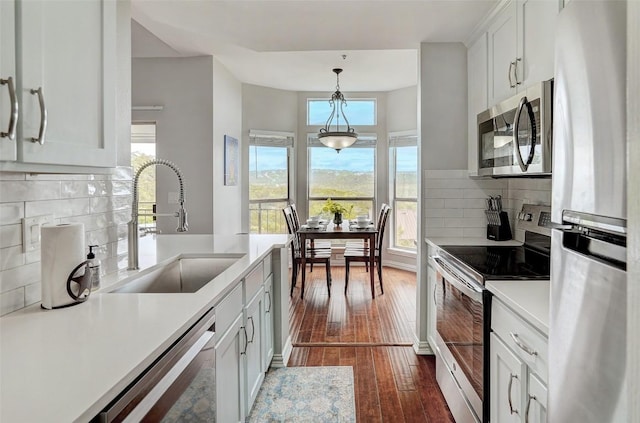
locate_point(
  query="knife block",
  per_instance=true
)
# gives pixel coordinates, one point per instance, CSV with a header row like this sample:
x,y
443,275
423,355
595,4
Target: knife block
x,y
498,228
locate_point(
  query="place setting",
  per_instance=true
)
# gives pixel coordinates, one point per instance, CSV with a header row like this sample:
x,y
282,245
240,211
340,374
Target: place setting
x,y
360,223
314,223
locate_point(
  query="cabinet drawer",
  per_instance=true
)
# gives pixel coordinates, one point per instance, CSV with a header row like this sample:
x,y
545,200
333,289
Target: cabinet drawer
x,y
267,265
529,344
228,309
253,281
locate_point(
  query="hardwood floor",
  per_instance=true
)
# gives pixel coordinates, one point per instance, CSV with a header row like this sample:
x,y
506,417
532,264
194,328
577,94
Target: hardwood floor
x,y
374,336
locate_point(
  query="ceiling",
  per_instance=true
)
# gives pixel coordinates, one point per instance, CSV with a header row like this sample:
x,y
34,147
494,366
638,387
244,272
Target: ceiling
x,y
294,44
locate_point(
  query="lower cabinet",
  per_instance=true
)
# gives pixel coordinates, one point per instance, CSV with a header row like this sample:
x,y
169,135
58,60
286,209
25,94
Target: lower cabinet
x,y
268,323
518,369
254,312
230,373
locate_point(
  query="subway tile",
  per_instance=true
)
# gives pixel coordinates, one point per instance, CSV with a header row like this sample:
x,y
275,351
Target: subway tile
x,y
475,203
444,212
11,213
444,232
120,188
482,193
433,203
12,176
74,189
103,204
19,276
473,213
442,193
29,191
11,257
91,222
454,203
10,235
11,301
122,173
434,222
56,177
33,256
474,232
465,222
32,293
59,208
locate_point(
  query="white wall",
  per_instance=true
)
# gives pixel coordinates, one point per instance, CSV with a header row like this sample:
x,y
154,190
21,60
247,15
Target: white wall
x,y
402,109
184,132
227,120
266,109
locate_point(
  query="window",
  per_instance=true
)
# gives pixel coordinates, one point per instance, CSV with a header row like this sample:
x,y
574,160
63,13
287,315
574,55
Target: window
x,y
268,180
358,112
347,177
143,149
403,166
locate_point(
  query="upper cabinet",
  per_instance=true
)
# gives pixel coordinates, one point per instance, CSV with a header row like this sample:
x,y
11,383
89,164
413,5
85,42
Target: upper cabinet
x,y
520,47
65,58
8,99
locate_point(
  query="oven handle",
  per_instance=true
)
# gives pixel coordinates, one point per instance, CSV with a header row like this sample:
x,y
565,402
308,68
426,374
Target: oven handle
x,y
473,292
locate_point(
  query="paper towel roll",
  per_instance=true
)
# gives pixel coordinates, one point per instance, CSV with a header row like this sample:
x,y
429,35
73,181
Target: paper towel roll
x,y
62,249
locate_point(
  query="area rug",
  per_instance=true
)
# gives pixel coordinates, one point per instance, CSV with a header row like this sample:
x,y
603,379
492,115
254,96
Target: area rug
x,y
306,394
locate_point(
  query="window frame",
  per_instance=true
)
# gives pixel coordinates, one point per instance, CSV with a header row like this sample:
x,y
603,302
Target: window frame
x,y
398,140
349,100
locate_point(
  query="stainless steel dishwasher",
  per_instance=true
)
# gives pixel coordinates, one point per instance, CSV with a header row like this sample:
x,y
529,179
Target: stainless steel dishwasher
x,y
178,386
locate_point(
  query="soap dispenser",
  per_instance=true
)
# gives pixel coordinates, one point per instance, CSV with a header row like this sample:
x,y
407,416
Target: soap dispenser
x,y
93,265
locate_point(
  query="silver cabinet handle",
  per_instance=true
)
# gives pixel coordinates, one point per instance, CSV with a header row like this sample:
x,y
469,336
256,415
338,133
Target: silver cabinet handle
x,y
526,412
511,409
11,130
253,329
268,310
246,341
522,346
43,116
515,70
511,65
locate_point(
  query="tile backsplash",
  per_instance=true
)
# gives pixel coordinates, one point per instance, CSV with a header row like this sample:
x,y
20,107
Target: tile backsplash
x,y
454,203
101,202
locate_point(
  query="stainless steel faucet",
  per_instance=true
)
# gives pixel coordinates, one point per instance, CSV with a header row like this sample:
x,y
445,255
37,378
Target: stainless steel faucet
x,y
181,214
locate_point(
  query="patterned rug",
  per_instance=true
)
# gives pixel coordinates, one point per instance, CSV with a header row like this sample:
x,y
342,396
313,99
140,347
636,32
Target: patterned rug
x,y
306,394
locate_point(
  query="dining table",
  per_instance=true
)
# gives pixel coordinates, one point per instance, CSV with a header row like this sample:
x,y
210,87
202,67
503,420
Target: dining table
x,y
347,231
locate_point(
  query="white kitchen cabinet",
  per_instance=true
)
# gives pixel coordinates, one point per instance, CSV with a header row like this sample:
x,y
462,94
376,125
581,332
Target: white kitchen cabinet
x,y
66,56
230,372
268,323
520,47
8,77
506,373
477,95
519,356
254,313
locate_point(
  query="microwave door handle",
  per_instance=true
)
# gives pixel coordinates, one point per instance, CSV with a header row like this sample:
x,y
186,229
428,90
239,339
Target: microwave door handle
x,y
532,133
516,130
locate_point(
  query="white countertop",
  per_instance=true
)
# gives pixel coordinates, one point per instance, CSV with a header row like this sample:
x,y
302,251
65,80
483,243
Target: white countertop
x,y
441,241
66,365
530,299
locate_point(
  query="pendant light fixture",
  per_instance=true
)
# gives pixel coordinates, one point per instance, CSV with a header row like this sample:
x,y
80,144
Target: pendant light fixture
x,y
331,135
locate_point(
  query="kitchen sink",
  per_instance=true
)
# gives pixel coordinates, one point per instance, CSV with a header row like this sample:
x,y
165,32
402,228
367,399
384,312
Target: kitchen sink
x,y
183,275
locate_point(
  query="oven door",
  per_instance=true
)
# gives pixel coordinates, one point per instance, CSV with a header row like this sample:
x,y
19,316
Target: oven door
x,y
178,386
460,333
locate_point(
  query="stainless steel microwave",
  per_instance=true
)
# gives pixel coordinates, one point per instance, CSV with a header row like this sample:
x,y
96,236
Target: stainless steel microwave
x,y
514,136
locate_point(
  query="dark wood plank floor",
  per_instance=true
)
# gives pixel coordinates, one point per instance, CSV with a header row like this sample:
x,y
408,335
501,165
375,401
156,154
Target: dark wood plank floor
x,y
374,336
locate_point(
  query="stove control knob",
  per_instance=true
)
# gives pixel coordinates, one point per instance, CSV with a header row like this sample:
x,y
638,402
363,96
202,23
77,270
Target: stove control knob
x,y
528,217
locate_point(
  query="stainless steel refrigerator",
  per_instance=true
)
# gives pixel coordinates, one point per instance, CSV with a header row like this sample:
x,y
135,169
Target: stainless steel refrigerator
x,y
587,336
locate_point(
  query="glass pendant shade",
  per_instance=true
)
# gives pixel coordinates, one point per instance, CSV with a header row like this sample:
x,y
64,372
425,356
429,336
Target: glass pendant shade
x,y
331,135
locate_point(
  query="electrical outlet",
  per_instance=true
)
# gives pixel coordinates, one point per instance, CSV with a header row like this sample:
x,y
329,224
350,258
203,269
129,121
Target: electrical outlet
x,y
31,231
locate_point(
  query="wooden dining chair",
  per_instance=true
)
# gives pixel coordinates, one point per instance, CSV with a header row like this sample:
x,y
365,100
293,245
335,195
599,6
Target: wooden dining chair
x,y
312,256
361,243
363,254
312,244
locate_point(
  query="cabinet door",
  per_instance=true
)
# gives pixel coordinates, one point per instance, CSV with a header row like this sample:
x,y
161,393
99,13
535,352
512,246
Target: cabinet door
x,y
268,323
7,70
502,49
506,379
431,325
536,401
477,95
536,38
68,50
254,356
230,373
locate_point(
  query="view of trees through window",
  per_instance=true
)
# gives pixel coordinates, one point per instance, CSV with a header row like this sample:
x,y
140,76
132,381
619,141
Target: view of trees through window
x,y
268,188
405,196
143,149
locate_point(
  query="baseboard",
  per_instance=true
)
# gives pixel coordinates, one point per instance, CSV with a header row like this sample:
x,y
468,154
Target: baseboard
x,y
422,347
281,360
398,265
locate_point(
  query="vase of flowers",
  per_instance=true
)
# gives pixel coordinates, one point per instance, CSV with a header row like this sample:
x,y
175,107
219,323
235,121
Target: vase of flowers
x,y
337,209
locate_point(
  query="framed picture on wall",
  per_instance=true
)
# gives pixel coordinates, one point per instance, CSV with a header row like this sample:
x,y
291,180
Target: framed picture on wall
x,y
231,155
